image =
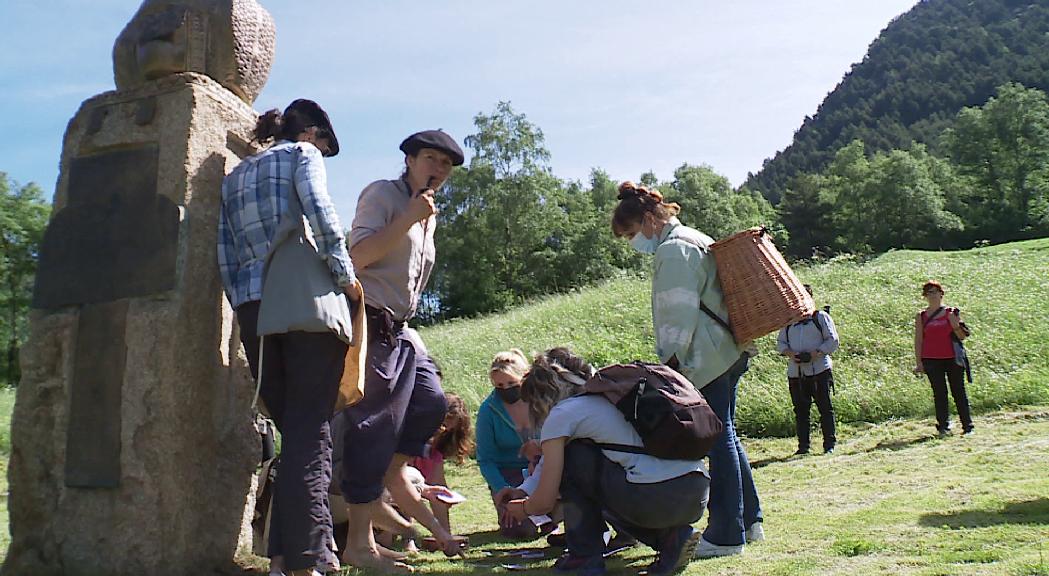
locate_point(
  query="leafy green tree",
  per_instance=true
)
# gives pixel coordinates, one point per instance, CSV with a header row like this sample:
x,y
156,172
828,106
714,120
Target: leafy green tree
x,y
590,251
896,199
498,219
23,217
709,203
509,229
1003,148
808,215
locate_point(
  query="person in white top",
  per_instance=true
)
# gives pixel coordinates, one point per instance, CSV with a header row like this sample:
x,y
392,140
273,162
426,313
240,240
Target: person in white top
x,y
654,500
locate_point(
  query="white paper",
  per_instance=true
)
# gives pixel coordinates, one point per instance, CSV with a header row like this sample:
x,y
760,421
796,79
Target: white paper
x,y
450,496
540,520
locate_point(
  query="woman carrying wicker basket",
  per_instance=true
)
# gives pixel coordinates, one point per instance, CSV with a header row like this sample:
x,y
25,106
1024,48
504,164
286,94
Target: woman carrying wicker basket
x,y
687,308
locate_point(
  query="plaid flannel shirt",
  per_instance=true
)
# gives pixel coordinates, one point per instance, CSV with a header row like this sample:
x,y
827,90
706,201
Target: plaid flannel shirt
x,y
254,196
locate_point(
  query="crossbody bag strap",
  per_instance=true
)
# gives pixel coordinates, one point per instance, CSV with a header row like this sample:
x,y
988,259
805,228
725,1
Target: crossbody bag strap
x,y
932,317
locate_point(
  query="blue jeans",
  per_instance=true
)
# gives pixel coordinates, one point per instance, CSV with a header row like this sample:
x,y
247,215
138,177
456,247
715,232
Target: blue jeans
x,y
733,504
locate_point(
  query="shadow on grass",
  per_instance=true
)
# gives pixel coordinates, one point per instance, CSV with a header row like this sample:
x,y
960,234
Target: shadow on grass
x,y
895,445
1027,512
761,463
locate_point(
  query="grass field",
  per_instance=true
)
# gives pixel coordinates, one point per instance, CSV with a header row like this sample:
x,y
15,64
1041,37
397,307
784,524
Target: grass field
x,y
1002,290
893,499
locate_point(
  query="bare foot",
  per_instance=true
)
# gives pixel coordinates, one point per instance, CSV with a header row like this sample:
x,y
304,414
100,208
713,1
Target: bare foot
x,y
373,560
391,554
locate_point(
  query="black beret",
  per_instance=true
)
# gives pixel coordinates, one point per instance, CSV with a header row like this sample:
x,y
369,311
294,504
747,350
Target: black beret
x,y
319,118
435,139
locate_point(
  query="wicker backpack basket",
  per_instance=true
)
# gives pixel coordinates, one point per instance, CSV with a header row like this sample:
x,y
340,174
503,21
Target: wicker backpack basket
x,y
761,291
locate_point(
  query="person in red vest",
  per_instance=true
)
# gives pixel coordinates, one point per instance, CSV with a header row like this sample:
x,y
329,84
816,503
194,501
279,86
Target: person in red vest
x,y
936,328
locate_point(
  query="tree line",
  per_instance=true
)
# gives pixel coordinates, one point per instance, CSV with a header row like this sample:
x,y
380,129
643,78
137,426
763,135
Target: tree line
x,y
23,217
511,230
941,56
988,184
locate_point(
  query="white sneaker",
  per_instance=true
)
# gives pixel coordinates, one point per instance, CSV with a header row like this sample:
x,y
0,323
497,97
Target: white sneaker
x,y
756,533
707,550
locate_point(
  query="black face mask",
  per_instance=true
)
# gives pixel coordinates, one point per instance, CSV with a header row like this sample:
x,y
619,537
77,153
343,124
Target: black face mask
x,y
509,395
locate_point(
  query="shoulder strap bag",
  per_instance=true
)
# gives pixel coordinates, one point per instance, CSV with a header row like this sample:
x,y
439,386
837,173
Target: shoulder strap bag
x,y
298,291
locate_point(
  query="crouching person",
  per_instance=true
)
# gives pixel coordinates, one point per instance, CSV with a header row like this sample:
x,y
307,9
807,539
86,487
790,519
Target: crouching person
x,y
654,500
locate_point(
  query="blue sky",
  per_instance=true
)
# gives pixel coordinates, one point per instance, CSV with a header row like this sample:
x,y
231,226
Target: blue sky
x,y
627,86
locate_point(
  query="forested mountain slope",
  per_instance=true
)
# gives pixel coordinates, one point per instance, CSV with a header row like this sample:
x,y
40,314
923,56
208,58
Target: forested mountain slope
x,y
925,66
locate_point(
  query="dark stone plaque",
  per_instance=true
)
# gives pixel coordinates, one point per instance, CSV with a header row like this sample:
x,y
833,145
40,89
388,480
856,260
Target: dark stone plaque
x,y
116,238
93,436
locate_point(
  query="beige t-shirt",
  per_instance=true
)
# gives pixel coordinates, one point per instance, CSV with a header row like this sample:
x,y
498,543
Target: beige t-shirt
x,y
396,281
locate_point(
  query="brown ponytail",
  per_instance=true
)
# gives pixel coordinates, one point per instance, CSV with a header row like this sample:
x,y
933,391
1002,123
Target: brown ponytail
x,y
634,202
550,380
273,125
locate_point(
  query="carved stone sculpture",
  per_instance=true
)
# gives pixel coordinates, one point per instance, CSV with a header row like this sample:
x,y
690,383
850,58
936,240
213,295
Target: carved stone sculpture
x,y
133,448
231,41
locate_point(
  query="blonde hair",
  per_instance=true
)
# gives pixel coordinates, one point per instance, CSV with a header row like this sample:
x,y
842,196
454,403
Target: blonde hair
x,y
512,362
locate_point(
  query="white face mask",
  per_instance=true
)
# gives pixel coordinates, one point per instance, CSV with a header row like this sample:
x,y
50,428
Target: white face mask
x,y
644,244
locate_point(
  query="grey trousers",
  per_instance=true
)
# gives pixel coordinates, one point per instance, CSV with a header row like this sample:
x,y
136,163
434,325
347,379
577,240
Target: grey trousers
x,y
300,382
593,488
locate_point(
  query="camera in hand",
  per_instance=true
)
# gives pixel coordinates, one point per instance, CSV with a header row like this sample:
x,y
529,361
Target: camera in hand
x,y
804,356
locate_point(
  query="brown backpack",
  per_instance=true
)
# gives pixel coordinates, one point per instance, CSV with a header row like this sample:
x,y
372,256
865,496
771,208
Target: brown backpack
x,y
671,416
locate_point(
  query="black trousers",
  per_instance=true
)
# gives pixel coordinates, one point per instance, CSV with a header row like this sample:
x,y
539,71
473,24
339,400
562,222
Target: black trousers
x,y
403,407
593,489
941,371
805,390
300,382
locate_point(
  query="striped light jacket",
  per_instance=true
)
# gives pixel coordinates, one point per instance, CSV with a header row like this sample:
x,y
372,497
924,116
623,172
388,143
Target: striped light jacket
x,y
684,274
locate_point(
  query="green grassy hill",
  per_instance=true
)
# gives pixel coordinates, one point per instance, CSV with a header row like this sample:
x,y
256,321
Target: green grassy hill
x,y
1002,290
893,499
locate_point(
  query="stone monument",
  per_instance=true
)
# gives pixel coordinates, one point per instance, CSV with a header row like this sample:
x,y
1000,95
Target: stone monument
x,y
133,445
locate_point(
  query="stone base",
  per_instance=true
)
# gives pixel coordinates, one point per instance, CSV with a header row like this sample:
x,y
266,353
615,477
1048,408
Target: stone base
x,y
133,446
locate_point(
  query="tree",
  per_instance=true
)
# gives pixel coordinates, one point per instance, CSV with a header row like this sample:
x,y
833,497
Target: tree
x,y
709,203
509,229
896,199
23,217
1003,148
497,219
808,215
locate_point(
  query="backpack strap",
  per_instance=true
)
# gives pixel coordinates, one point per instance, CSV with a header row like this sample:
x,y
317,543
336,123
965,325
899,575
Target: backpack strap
x,y
816,321
702,305
716,318
621,448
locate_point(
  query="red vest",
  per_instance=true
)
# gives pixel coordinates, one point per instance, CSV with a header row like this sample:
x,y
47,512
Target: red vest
x,y
936,336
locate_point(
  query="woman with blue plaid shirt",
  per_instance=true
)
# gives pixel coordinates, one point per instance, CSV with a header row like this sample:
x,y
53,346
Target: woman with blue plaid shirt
x,y
301,370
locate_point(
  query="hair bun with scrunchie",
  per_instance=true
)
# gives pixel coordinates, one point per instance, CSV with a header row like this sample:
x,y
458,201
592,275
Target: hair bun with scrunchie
x,y
629,190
